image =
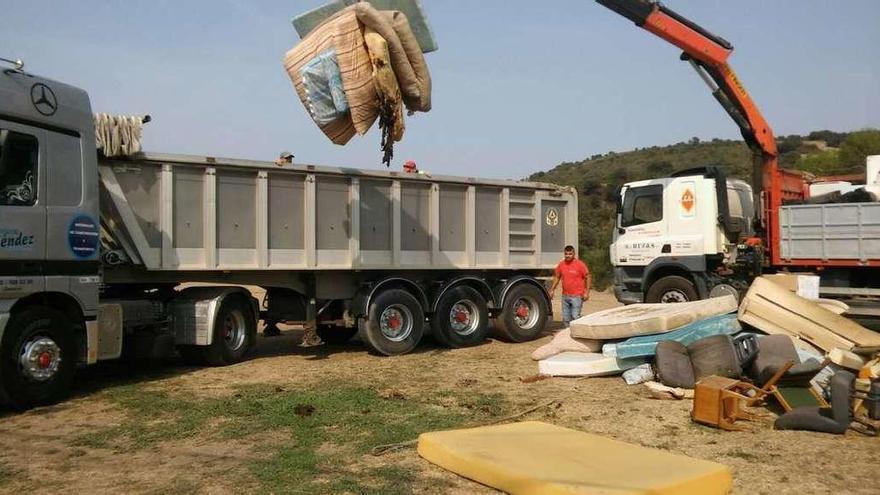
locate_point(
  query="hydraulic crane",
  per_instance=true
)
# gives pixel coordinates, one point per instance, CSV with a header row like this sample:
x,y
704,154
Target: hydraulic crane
x,y
708,54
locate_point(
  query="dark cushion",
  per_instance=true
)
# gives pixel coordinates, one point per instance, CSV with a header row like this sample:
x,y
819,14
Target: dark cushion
x,y
714,355
674,367
841,389
810,418
835,419
773,350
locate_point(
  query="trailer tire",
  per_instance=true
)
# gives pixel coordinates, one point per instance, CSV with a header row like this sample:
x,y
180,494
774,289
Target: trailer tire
x,y
461,319
335,335
44,338
235,333
523,314
394,324
671,288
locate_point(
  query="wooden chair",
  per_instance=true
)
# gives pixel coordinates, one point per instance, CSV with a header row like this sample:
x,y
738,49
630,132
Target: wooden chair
x,y
794,390
719,401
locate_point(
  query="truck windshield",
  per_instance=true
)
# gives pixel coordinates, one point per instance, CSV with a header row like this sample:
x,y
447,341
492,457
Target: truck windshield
x,y
18,168
642,205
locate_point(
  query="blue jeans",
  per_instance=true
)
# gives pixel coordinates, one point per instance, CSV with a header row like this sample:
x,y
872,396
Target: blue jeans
x,y
571,308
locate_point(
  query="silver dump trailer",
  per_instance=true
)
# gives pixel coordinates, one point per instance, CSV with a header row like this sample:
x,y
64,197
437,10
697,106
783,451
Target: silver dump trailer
x,y
195,213
144,255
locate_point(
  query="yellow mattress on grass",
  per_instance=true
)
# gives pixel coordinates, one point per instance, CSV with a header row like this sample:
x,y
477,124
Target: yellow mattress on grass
x,y
539,458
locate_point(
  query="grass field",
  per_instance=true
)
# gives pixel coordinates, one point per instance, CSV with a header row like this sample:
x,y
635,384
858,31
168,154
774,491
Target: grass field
x,y
304,420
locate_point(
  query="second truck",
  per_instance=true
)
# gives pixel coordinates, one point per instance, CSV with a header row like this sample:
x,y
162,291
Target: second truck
x,y
698,234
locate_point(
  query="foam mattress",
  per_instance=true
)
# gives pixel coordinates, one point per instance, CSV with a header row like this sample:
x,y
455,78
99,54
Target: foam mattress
x,y
539,458
645,319
646,345
585,364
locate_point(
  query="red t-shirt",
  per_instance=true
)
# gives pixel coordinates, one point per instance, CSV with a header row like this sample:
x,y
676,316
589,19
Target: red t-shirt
x,y
572,274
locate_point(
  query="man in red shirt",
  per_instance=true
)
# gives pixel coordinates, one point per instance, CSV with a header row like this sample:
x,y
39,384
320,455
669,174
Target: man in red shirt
x,y
576,283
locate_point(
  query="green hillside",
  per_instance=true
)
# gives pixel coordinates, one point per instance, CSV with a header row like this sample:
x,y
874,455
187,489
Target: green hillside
x,y
598,177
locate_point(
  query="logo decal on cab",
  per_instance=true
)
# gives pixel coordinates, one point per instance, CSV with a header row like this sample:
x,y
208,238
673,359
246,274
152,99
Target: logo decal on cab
x,y
687,201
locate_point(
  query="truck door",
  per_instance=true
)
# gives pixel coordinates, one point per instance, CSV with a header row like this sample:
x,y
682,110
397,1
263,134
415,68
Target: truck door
x,y
72,231
22,206
72,227
641,229
692,216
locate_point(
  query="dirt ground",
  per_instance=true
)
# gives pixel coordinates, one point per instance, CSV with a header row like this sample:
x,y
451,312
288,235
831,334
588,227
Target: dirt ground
x,y
42,450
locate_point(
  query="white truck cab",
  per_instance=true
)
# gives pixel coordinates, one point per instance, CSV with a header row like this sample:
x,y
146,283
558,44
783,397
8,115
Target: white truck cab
x,y
680,238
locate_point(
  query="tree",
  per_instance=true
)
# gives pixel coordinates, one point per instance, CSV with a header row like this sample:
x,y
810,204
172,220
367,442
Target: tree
x,y
788,144
590,187
660,168
831,138
619,176
822,163
857,146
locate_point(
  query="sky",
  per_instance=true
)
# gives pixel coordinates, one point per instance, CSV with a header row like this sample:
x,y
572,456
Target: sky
x,y
518,86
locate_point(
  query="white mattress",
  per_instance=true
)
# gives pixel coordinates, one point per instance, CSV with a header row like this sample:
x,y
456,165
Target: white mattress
x,y
585,364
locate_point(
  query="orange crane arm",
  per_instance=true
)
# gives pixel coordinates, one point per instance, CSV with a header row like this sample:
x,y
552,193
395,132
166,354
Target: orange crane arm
x,y
708,55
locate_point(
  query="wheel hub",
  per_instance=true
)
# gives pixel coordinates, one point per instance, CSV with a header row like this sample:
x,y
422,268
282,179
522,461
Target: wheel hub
x,y
234,330
525,313
44,360
396,323
40,359
463,317
673,296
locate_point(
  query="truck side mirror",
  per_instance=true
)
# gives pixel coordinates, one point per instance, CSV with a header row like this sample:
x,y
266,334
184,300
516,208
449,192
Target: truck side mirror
x,y
621,230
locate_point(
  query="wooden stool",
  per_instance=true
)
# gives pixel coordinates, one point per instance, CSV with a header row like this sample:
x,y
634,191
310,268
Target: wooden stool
x,y
718,401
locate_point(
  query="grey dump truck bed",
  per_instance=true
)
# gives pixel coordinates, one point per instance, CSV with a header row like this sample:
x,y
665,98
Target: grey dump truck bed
x,y
191,213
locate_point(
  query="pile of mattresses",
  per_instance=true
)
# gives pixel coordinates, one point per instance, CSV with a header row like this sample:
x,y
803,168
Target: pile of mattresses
x,y
616,340
671,347
357,64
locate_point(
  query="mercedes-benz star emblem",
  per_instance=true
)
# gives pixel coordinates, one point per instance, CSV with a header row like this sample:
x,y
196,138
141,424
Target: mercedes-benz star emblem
x,y
43,99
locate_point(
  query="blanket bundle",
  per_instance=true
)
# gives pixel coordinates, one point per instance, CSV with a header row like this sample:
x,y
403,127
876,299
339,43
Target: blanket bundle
x,y
358,66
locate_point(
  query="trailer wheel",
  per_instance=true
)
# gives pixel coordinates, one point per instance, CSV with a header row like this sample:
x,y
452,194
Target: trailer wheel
x,y
523,314
38,358
235,333
461,319
335,335
395,323
671,289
